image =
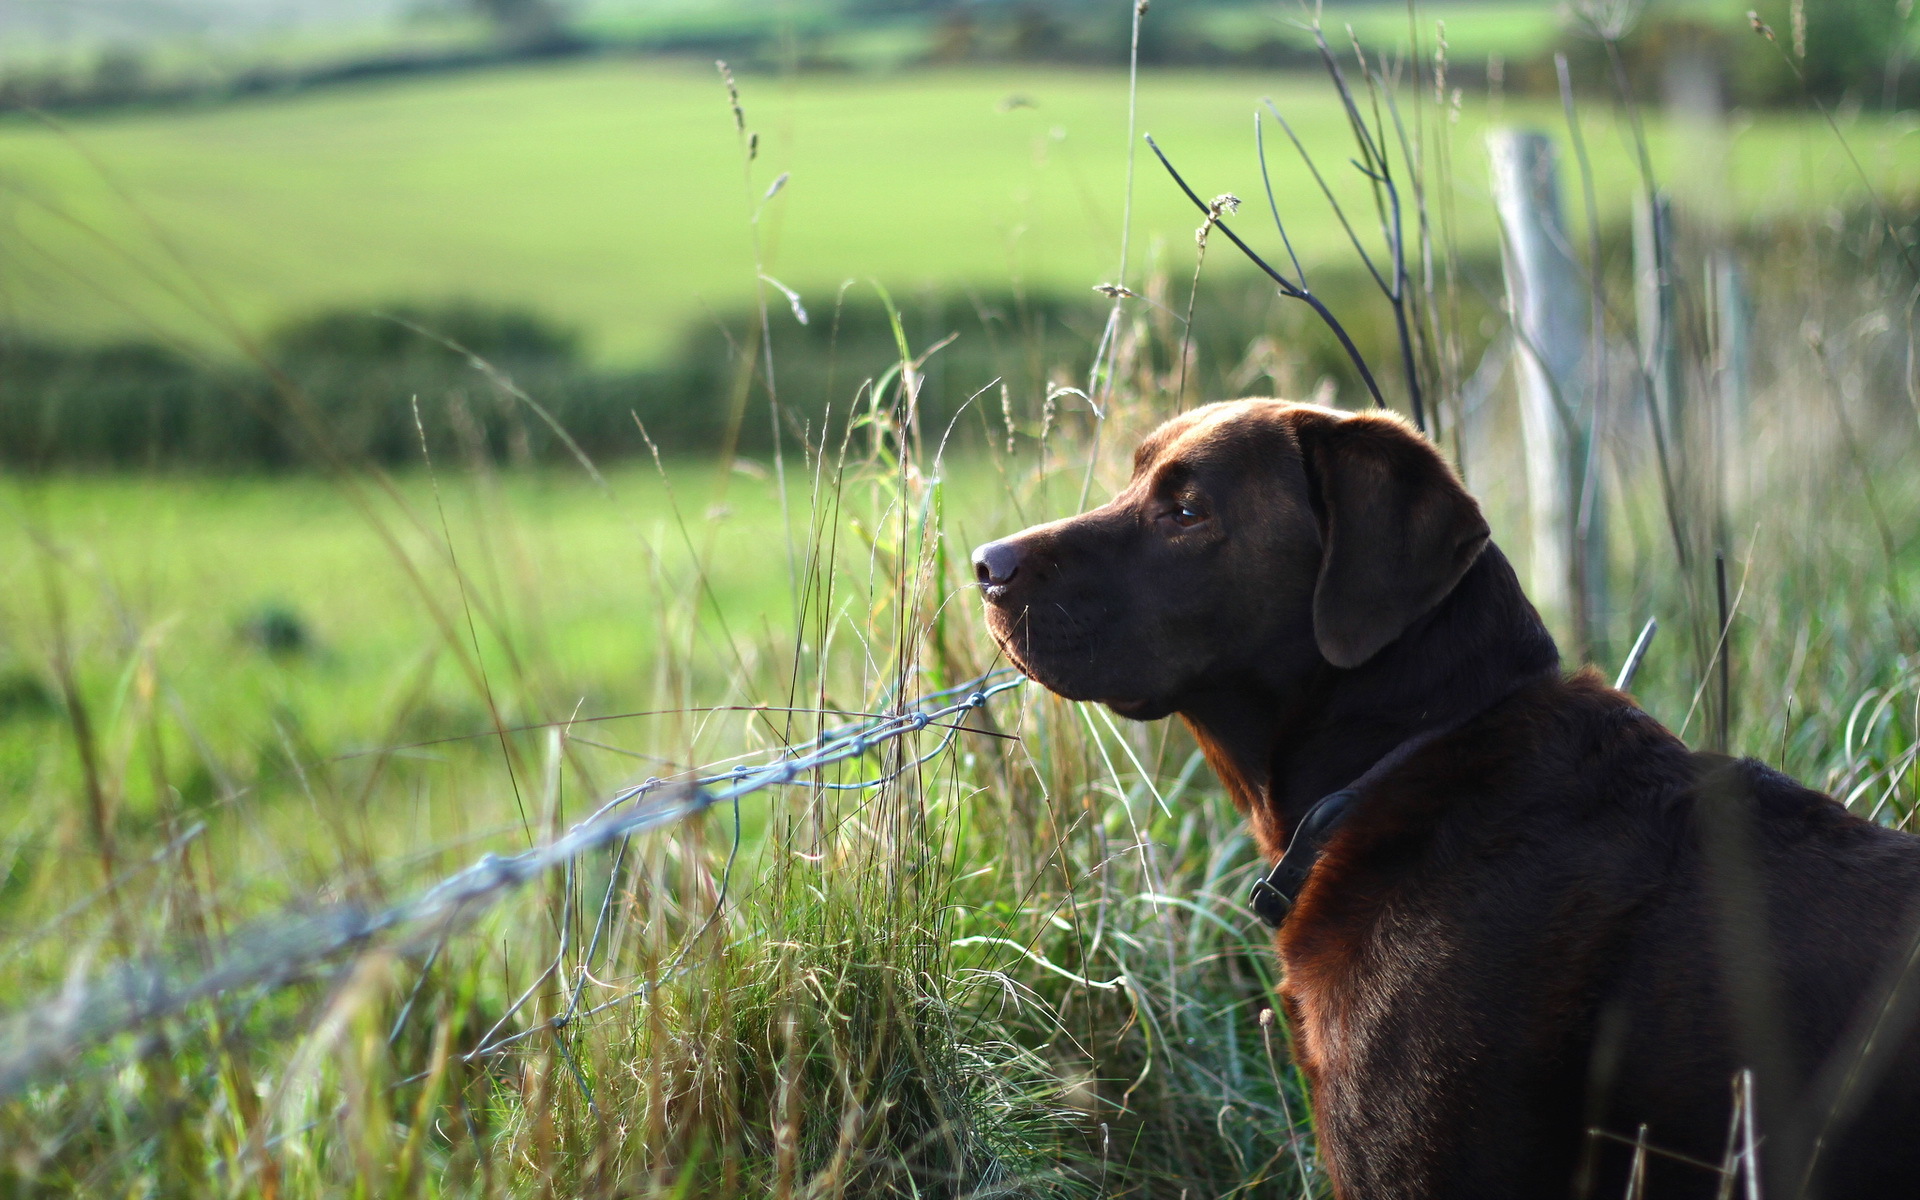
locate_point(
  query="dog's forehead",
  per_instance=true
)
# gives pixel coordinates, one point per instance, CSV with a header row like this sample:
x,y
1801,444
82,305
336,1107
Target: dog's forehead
x,y
1216,433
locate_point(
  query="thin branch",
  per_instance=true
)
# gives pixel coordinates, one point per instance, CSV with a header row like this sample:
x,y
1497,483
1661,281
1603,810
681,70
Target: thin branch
x,y
1339,212
1260,148
1288,287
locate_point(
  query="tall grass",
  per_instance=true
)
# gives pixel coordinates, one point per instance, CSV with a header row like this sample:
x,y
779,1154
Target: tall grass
x,y
1020,967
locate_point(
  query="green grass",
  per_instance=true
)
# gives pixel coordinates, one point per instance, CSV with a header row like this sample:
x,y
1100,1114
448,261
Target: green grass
x,y
427,606
194,559
586,602
610,194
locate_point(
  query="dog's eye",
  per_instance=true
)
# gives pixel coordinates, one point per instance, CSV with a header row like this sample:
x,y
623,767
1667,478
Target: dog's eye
x,y
1186,516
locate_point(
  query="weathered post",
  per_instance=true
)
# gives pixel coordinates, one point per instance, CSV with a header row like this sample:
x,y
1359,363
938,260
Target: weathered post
x,y
1547,303
1732,351
1654,292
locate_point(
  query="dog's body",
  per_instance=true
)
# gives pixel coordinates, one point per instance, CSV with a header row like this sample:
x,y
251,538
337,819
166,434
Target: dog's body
x,y
1546,926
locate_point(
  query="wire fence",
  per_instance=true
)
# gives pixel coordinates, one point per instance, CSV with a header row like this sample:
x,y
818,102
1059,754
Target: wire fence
x,y
130,995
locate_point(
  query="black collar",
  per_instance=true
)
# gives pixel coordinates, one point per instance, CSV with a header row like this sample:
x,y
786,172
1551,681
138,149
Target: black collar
x,y
1273,896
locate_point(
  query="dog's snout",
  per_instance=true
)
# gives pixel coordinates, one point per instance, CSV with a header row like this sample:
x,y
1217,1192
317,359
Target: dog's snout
x,y
996,563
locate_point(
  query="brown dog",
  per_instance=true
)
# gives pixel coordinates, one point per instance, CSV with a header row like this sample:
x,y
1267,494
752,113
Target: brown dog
x,y
1527,922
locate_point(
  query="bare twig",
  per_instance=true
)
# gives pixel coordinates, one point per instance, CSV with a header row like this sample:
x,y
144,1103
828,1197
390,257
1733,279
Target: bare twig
x,y
1288,287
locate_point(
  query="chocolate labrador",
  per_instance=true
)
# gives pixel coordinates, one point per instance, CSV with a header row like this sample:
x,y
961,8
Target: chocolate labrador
x,y
1522,926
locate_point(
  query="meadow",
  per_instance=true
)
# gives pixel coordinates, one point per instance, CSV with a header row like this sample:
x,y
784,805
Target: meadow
x,y
610,196
1009,958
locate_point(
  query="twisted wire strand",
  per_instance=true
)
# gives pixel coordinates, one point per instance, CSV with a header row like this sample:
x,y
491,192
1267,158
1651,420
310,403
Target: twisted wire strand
x,y
131,994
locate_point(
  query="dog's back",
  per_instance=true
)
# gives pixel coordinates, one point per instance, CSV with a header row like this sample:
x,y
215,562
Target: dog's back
x,y
1791,925
1570,927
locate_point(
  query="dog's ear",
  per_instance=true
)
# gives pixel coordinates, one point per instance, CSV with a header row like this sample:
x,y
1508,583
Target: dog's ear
x,y
1397,528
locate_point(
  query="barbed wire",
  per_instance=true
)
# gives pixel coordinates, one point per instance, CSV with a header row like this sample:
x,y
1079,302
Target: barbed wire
x,y
87,1012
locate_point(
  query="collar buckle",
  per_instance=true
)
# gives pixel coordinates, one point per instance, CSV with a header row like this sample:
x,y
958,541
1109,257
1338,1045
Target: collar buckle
x,y
1273,896
1269,903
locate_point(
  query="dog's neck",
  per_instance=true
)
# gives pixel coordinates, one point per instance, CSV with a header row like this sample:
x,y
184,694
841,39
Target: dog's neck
x,y
1280,750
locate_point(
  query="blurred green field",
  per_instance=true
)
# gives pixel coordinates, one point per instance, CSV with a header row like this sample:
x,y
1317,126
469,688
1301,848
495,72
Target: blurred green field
x,y
610,194
367,573
572,594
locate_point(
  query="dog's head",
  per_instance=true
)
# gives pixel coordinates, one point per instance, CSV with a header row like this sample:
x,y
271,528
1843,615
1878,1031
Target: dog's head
x,y
1256,540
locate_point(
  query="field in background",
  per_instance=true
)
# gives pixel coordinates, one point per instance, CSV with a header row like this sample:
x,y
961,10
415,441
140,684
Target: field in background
x,y
609,196
297,603
201,562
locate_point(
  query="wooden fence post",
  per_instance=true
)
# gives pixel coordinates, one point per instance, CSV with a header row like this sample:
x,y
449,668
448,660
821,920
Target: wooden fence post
x,y
1547,303
1654,294
1732,332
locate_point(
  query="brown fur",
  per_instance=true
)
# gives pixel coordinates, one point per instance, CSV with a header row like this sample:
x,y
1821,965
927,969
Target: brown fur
x,y
1552,920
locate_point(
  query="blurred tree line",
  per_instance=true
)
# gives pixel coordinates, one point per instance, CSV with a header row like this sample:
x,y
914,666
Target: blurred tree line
x,y
1837,51
484,383
1844,50
497,384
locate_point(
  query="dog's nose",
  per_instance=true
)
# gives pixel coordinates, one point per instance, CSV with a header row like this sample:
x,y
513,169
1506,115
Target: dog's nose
x,y
995,563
